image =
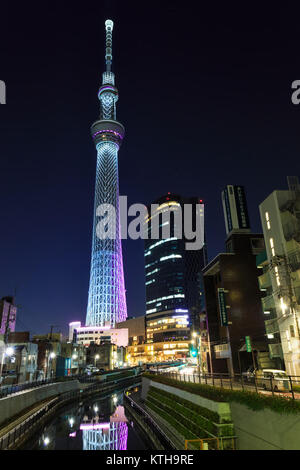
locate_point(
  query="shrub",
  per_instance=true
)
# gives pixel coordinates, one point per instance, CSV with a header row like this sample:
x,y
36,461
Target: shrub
x,y
254,401
192,412
186,429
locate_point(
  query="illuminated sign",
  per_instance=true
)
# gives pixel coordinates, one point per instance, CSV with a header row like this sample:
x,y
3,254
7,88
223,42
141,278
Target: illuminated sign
x,y
222,307
248,343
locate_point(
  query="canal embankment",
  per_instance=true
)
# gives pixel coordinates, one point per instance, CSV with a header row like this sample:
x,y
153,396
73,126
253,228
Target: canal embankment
x,y
17,403
190,420
25,420
255,421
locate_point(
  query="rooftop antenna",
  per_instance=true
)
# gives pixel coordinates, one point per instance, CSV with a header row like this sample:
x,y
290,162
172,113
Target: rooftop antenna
x,y
109,24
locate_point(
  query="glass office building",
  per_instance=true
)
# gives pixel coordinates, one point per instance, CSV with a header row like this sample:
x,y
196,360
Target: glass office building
x,y
174,296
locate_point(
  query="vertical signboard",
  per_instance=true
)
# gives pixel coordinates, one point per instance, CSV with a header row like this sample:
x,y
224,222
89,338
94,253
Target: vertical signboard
x,y
241,207
227,211
248,343
222,307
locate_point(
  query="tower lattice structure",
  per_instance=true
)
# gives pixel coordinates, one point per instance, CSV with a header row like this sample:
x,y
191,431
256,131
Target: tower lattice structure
x,y
106,299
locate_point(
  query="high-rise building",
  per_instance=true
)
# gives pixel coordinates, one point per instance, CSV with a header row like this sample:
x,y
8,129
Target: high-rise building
x,y
8,315
174,296
235,209
280,276
106,299
233,301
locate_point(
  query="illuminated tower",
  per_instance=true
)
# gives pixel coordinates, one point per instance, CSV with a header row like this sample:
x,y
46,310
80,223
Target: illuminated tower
x,y
107,301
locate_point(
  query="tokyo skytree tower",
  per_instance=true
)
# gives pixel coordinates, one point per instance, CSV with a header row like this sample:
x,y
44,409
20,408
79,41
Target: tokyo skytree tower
x,y
106,300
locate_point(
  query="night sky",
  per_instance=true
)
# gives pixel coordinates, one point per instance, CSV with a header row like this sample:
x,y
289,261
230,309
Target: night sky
x,y
205,98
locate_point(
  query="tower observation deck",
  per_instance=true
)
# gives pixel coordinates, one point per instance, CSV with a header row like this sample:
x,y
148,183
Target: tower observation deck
x,y
106,298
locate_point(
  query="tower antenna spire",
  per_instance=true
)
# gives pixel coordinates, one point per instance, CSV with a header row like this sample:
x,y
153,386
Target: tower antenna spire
x,y
107,297
109,24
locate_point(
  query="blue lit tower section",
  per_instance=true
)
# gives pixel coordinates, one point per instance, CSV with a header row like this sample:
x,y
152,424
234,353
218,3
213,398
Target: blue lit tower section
x,y
107,301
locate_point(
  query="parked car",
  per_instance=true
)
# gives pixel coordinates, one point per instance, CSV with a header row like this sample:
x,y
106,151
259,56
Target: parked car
x,y
275,379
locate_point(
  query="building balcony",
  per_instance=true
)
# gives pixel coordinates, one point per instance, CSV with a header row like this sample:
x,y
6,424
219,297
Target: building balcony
x,y
291,231
268,302
275,350
294,260
272,326
222,351
264,280
261,259
289,205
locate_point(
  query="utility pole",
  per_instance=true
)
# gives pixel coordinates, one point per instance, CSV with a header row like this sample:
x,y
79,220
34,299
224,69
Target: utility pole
x,y
9,319
51,330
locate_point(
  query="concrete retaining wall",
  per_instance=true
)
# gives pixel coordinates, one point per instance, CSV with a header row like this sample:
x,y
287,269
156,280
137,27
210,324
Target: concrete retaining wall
x,y
15,404
223,409
266,429
255,430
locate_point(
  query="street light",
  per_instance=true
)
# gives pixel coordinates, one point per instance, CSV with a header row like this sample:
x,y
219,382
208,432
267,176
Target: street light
x,y
96,358
198,342
9,351
51,356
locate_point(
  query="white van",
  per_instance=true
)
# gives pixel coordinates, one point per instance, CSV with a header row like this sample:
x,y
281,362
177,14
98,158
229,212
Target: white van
x,y
273,378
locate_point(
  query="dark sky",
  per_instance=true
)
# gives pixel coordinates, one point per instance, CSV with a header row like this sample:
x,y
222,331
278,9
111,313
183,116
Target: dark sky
x,y
205,97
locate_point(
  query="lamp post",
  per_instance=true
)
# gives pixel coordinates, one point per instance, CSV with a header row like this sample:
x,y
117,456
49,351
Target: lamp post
x,y
96,358
49,363
74,357
198,345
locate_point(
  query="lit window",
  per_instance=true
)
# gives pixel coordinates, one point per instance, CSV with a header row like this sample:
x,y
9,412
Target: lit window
x,y
272,246
283,306
277,276
164,258
268,220
162,241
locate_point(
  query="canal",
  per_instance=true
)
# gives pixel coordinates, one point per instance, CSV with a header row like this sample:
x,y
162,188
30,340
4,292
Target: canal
x,y
99,423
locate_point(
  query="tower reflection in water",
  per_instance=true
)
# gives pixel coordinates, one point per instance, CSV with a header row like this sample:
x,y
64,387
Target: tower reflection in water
x,y
111,435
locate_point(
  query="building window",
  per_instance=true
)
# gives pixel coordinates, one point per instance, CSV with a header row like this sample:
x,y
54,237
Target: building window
x,y
268,220
277,276
272,246
292,331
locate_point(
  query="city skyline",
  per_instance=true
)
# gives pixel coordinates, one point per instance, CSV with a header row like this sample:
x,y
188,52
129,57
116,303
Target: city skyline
x,y
240,102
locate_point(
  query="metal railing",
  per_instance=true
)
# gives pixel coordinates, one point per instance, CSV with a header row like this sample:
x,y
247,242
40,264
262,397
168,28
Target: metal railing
x,y
11,438
211,443
287,388
6,390
148,421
